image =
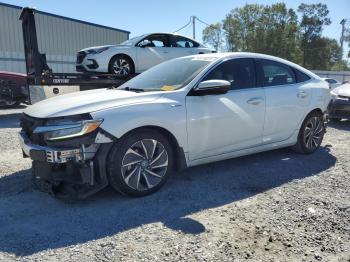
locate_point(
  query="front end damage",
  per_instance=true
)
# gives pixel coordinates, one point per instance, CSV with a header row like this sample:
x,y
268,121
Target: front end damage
x,y
70,166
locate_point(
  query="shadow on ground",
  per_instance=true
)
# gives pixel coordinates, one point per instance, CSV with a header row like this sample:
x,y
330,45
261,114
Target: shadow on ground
x,y
341,125
32,221
9,117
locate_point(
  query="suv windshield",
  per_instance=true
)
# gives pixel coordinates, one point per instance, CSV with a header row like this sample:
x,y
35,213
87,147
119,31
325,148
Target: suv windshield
x,y
170,75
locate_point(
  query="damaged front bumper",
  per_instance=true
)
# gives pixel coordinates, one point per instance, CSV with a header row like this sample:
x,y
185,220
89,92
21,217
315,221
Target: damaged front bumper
x,y
75,172
55,155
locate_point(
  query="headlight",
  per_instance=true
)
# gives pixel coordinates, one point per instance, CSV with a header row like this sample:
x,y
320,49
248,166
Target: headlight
x,y
334,94
68,130
97,50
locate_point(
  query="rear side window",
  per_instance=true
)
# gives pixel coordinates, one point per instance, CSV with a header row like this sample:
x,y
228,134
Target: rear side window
x,y
301,77
180,41
275,74
239,72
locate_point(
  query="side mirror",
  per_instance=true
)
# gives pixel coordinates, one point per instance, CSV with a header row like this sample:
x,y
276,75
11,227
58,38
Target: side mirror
x,y
144,43
212,87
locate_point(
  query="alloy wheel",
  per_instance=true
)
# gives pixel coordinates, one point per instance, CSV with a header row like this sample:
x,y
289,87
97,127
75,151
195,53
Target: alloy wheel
x,y
121,67
313,133
144,164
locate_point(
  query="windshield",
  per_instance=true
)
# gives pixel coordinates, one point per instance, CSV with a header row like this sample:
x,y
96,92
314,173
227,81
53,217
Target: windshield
x,y
132,41
170,75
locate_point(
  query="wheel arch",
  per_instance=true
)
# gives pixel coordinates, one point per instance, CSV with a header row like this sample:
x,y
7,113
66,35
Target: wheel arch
x,y
316,109
179,154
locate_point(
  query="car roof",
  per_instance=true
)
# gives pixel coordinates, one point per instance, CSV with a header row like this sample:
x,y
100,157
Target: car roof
x,y
223,56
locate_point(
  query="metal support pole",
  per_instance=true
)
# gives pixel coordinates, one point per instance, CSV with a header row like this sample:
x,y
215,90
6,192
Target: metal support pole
x,y
194,26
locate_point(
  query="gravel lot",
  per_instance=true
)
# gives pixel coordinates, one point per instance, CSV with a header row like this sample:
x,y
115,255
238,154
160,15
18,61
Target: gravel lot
x,y
274,206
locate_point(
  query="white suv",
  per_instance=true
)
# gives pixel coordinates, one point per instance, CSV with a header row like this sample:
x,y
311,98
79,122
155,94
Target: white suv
x,y
181,113
137,54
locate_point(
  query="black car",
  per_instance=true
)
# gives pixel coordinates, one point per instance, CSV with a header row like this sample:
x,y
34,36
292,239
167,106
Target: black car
x,y
13,89
339,107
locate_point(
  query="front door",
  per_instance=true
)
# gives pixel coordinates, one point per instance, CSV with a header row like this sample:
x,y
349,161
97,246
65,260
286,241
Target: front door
x,y
218,124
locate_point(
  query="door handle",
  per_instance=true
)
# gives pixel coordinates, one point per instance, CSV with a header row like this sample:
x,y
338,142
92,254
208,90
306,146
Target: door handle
x,y
255,101
302,94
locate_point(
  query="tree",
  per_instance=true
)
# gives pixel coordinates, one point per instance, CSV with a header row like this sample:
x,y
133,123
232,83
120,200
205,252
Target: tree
x,y
264,29
314,18
324,53
213,35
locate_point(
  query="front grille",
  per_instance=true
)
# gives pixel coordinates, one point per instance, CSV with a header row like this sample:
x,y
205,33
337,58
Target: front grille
x,y
28,125
80,57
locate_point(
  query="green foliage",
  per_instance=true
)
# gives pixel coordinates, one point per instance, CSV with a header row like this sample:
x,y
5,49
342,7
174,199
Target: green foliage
x,y
275,30
213,35
264,29
323,53
314,17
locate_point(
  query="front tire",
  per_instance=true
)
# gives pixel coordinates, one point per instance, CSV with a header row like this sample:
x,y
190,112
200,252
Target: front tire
x,y
140,163
311,134
121,66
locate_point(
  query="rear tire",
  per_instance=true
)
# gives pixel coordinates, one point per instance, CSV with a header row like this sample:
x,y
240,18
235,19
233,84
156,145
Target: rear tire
x,y
310,134
121,66
140,163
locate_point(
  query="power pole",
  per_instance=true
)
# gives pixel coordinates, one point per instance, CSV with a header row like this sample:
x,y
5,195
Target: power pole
x,y
342,37
194,26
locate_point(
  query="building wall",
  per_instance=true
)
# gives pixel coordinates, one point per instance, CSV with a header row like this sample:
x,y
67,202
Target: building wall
x,y
60,38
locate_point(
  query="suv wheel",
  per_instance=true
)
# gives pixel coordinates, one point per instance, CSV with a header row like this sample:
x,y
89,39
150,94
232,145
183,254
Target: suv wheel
x,y
310,134
140,163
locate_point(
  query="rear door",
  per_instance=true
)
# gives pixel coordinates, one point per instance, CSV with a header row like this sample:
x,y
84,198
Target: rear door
x,y
287,101
182,46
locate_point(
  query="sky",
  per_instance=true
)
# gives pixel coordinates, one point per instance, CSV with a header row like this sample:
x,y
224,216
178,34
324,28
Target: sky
x,y
141,17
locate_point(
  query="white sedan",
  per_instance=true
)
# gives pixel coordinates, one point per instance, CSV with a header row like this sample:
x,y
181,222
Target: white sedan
x,y
181,113
137,54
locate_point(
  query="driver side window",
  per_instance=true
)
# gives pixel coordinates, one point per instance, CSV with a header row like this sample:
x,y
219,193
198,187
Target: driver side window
x,y
239,72
158,40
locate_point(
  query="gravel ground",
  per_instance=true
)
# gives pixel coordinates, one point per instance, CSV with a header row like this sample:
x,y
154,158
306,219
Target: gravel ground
x,y
274,206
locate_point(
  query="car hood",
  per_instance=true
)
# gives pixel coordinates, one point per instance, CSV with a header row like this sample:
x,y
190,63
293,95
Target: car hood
x,y
343,90
87,102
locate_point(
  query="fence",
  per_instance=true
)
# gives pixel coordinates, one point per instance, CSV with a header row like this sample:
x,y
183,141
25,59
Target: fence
x,y
341,76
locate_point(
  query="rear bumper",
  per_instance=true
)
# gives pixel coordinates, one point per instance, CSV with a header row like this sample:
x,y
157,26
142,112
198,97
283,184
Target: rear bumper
x,y
339,108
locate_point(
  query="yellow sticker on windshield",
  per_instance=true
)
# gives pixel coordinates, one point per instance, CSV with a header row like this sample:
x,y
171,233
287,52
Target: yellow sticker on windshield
x,y
167,88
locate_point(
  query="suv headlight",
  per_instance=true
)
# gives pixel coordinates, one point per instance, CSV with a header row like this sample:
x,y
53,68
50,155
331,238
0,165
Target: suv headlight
x,y
68,130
